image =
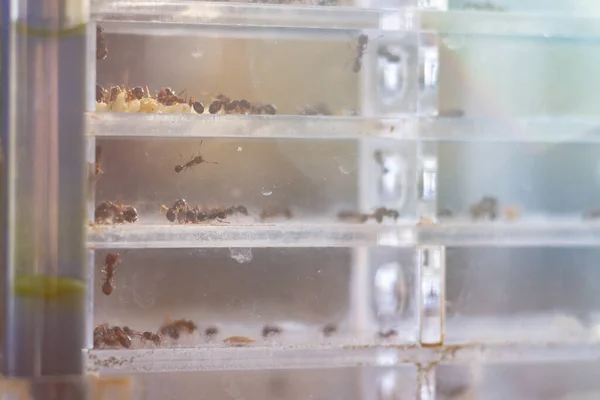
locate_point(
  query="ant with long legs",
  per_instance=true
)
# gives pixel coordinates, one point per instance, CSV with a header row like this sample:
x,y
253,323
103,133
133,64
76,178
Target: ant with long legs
x,y
110,268
195,160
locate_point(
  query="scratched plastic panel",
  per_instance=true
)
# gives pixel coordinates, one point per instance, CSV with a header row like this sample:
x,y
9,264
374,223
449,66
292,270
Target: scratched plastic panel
x,y
276,181
333,383
302,296
532,381
274,70
522,295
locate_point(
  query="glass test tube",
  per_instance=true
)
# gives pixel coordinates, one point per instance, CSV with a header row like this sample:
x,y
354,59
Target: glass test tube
x,y
44,177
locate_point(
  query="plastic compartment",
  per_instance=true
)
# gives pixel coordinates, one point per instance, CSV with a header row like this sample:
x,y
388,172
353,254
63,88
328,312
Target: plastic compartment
x,y
351,383
275,297
512,76
280,184
521,295
548,381
363,72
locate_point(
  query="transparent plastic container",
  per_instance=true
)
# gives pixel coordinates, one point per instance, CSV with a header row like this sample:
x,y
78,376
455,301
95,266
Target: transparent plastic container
x,y
360,200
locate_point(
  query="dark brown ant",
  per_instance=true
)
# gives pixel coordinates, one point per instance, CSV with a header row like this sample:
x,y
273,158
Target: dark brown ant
x,y
218,213
268,109
486,208
237,210
191,216
98,169
166,96
101,44
123,338
276,211
177,211
100,94
173,329
387,334
353,216
128,331
591,214
271,330
104,336
444,213
196,105
128,213
329,330
113,93
211,331
195,160
136,93
361,48
215,106
147,336
231,106
110,213
382,212
105,213
244,106
110,268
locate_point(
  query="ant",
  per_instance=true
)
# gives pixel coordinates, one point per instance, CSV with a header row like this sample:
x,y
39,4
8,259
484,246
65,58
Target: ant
x,y
147,336
110,267
268,109
103,335
211,331
271,212
244,106
196,105
382,212
486,208
271,330
110,213
101,44
387,334
137,93
361,48
173,328
353,216
100,94
177,211
329,329
195,160
98,169
122,337
237,210
167,97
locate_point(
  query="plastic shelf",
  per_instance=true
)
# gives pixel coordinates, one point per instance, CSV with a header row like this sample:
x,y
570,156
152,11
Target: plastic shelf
x,y
288,235
516,234
279,126
277,357
323,17
547,130
241,14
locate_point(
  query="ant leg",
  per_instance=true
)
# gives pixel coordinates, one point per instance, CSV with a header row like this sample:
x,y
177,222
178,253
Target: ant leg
x,y
182,92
